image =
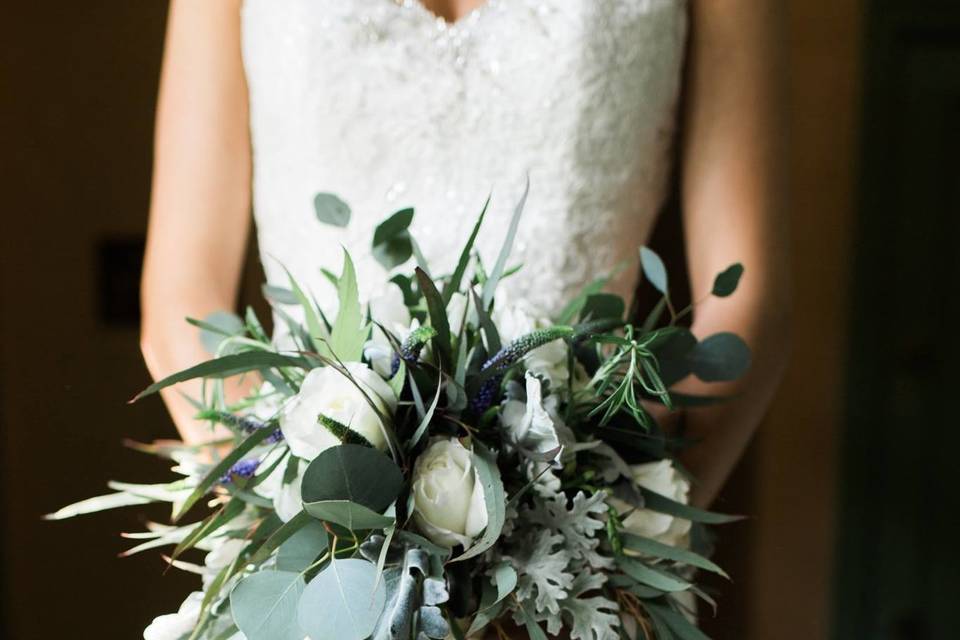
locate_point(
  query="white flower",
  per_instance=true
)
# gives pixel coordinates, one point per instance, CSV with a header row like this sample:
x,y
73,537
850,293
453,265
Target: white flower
x,y
660,477
326,391
448,498
515,320
388,310
529,426
457,312
286,497
175,626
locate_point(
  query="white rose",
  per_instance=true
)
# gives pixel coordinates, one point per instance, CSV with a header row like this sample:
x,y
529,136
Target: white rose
x,y
326,391
660,477
448,497
175,626
388,310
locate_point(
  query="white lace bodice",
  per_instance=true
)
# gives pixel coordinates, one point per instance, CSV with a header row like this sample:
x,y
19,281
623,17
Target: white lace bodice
x,y
388,106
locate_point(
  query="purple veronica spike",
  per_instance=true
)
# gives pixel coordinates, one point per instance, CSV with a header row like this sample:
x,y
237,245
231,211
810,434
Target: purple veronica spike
x,y
242,469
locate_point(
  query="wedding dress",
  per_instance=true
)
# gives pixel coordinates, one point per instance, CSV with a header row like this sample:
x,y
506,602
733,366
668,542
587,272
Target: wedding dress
x,y
388,106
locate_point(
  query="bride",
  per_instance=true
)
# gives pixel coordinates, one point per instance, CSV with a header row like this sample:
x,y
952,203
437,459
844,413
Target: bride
x,y
433,103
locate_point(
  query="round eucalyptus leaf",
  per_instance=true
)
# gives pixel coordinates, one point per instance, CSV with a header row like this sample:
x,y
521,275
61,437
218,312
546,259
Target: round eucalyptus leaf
x,y
654,269
220,325
396,224
301,549
264,605
600,306
331,210
394,251
672,351
720,358
727,281
351,515
352,473
344,601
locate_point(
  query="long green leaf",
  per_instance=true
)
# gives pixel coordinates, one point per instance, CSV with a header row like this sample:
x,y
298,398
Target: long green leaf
x,y
316,330
662,504
652,577
281,535
649,547
490,286
453,284
425,422
99,503
676,622
225,367
438,315
494,499
349,332
221,468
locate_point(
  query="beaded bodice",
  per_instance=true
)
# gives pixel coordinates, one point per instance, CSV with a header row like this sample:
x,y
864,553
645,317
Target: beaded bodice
x,y
386,105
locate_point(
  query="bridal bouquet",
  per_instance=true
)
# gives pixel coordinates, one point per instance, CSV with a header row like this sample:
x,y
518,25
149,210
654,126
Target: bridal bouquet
x,y
438,464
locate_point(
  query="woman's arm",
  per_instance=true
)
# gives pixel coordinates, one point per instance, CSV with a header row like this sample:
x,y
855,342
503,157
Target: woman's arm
x,y
199,212
734,211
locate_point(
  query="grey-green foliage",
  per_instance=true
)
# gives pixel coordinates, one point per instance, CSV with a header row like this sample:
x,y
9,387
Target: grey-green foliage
x,y
413,596
343,602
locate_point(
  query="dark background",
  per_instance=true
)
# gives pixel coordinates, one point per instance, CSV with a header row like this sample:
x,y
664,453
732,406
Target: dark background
x,y
850,482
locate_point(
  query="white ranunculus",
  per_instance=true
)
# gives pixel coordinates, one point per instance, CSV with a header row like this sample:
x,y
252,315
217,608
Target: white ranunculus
x,y
175,626
448,498
387,310
528,425
286,497
660,477
326,391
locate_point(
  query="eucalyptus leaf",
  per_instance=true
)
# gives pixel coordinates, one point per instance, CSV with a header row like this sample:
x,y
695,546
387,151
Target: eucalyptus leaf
x,y
331,210
600,306
351,485
654,269
264,605
672,350
720,358
301,549
394,252
279,295
393,226
216,327
727,281
351,515
343,602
